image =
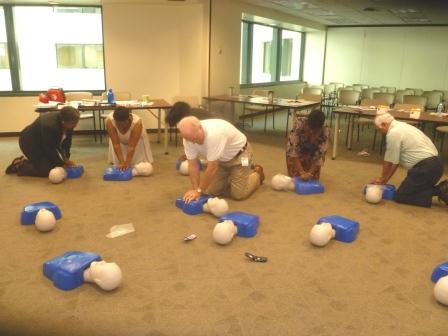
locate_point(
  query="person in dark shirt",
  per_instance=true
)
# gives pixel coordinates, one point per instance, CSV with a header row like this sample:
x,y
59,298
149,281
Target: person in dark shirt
x,y
46,143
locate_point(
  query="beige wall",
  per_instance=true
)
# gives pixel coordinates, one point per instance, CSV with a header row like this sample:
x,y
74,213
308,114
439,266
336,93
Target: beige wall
x,y
415,57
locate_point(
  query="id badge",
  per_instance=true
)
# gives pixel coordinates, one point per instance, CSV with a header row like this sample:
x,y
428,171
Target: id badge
x,y
244,161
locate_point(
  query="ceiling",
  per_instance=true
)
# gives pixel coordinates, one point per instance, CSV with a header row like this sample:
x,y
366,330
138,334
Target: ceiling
x,y
326,12
364,12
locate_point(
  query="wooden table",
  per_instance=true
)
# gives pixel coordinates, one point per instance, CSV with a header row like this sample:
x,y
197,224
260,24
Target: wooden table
x,y
159,104
275,105
360,111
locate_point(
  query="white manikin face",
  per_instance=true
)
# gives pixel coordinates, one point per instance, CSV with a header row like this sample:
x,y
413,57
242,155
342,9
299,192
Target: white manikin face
x,y
45,220
217,206
374,193
106,275
282,182
441,290
57,175
224,232
321,234
142,169
183,168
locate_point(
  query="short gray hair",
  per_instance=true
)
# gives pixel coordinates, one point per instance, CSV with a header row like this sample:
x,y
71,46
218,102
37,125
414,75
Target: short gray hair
x,y
69,114
383,118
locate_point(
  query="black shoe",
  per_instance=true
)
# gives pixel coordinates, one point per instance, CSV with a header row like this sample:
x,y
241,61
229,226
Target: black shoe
x,y
443,188
13,168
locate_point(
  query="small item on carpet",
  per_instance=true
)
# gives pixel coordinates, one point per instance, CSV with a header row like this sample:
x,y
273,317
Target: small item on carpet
x,y
190,237
255,258
363,152
120,230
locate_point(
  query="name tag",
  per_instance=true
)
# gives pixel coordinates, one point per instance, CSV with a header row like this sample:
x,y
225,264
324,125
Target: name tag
x,y
245,161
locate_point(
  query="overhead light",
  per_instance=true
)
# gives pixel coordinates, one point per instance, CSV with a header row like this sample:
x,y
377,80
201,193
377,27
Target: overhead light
x,y
53,3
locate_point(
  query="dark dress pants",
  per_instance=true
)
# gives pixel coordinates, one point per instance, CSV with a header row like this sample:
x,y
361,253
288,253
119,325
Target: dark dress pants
x,y
38,164
418,187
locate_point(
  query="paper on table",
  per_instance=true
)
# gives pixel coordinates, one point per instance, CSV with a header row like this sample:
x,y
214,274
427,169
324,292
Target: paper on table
x,y
120,230
436,113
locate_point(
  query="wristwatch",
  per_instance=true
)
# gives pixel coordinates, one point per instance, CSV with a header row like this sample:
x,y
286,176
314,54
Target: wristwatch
x,y
199,190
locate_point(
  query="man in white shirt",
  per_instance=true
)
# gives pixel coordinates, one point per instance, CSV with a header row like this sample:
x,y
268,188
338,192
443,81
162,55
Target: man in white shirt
x,y
409,147
229,159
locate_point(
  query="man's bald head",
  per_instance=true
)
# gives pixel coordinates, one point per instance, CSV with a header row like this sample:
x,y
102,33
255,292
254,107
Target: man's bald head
x,y
191,129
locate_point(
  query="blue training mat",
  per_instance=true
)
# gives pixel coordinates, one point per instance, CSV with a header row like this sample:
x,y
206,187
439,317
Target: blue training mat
x,y
346,229
247,224
440,271
74,172
115,174
29,212
67,270
307,187
194,207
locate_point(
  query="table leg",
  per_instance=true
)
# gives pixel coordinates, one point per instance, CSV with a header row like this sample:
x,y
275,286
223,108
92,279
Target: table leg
x,y
350,132
159,117
287,120
165,140
335,136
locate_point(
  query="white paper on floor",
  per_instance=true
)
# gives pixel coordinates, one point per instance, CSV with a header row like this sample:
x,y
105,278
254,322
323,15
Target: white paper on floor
x,y
120,230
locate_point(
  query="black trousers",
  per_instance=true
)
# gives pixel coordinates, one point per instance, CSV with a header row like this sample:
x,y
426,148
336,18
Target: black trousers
x,y
418,187
38,164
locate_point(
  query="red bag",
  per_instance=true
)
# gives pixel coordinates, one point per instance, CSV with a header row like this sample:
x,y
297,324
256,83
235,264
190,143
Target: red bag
x,y
56,94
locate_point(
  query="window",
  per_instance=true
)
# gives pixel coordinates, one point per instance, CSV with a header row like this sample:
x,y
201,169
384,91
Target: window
x,y
291,56
81,56
263,67
52,47
269,54
5,73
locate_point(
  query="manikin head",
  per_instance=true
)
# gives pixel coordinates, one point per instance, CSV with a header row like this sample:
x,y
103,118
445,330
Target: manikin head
x,y
321,234
224,231
123,118
106,275
383,121
142,169
45,220
217,206
441,290
57,175
183,168
374,193
282,182
69,117
191,130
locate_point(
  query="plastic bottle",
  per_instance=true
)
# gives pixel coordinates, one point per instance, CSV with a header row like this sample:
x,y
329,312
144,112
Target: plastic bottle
x,y
110,97
439,109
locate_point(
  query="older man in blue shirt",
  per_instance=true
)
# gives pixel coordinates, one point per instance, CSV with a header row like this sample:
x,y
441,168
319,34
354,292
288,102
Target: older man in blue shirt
x,y
409,147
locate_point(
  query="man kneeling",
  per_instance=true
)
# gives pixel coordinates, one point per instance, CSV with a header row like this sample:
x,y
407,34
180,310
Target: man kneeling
x,y
411,148
229,159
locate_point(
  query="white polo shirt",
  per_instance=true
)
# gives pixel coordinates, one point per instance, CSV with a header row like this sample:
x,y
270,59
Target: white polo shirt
x,y
407,145
222,141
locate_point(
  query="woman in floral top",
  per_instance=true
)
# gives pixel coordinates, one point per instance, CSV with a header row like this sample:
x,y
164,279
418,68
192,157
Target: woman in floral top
x,y
306,146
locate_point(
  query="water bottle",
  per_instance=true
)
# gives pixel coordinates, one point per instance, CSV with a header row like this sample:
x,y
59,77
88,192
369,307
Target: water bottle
x,y
439,109
110,97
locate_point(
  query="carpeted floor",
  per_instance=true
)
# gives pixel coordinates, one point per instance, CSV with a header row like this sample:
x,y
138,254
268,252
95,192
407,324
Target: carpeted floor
x,y
378,285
